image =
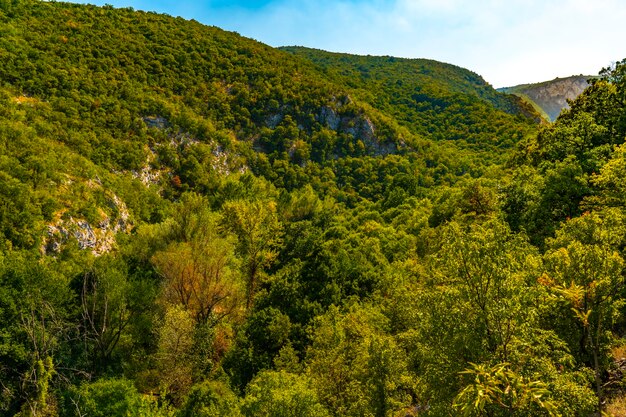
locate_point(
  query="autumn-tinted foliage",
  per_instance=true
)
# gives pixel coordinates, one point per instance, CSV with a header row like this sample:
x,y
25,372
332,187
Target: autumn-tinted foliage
x,y
194,223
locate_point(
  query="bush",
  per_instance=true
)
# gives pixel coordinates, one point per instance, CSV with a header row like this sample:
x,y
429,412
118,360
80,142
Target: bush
x,y
281,394
211,399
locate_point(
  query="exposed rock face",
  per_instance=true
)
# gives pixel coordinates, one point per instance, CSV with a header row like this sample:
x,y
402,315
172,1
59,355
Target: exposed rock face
x,y
358,126
99,239
273,120
148,176
363,128
329,117
336,117
222,162
156,122
551,96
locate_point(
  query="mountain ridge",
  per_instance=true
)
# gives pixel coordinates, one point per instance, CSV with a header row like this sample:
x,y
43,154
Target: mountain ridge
x,y
551,97
193,223
159,98
409,83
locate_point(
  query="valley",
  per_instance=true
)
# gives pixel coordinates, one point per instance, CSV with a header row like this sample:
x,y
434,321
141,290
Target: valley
x,y
193,223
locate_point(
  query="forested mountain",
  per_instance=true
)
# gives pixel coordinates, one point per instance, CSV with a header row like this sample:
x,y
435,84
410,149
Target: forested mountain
x,y
438,101
195,224
551,97
177,104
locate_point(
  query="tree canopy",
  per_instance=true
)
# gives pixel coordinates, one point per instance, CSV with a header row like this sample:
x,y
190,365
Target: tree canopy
x,y
195,224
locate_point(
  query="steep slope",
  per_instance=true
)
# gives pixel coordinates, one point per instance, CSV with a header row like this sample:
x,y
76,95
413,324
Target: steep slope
x,y
298,236
159,104
439,101
551,97
100,103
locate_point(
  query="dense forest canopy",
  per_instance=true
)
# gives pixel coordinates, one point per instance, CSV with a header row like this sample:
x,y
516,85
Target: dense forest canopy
x,y
195,224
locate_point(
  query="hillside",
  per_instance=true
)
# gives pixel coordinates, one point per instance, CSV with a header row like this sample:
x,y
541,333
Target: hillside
x,y
156,98
435,100
193,223
551,97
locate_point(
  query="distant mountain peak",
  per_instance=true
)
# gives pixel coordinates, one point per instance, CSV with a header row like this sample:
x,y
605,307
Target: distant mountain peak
x,y
550,97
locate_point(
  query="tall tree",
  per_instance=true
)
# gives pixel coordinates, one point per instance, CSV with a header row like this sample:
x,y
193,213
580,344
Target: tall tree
x,y
201,276
259,234
586,270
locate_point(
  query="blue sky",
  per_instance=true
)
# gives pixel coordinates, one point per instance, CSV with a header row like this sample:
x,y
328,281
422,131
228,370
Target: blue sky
x,y
508,42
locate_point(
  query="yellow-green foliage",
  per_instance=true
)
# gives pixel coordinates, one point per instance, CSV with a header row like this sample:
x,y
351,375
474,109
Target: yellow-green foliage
x,y
294,233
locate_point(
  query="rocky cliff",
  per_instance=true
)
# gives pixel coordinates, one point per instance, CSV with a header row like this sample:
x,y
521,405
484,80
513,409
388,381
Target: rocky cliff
x,y
551,97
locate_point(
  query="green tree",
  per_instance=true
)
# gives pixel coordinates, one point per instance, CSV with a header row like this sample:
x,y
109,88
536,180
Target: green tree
x,y
500,388
113,397
490,268
358,369
105,397
108,306
259,234
282,394
211,399
175,352
36,307
585,270
612,190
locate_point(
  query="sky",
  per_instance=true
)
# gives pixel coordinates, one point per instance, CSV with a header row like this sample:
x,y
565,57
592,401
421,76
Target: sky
x,y
507,42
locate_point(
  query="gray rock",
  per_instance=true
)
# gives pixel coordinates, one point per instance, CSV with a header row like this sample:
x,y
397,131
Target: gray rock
x,y
156,122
